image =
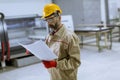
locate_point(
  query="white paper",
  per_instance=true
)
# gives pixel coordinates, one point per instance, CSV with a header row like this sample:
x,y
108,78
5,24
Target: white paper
x,y
40,50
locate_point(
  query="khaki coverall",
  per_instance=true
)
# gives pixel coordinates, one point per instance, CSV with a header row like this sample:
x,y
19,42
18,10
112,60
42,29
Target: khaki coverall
x,y
65,44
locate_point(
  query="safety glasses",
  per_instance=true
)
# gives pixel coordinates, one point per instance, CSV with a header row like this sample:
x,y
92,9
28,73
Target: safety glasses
x,y
50,19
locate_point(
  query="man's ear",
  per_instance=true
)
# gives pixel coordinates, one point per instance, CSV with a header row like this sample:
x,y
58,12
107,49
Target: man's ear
x,y
58,14
60,17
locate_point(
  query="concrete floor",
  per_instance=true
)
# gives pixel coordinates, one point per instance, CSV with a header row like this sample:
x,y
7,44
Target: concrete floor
x,y
95,66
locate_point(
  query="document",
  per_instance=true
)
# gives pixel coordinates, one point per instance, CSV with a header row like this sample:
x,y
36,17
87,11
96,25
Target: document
x,y
39,49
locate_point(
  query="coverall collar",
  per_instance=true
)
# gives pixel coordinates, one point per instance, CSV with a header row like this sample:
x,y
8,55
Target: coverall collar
x,y
60,31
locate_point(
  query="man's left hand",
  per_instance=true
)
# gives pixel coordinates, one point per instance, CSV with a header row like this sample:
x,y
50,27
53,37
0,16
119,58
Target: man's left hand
x,y
49,64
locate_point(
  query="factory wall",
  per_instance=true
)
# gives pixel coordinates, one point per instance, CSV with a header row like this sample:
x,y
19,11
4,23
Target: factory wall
x,y
83,11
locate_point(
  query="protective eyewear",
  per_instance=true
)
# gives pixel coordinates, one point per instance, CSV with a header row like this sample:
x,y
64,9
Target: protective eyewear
x,y
49,19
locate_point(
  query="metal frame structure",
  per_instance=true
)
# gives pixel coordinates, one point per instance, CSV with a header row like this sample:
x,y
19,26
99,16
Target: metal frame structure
x,y
15,29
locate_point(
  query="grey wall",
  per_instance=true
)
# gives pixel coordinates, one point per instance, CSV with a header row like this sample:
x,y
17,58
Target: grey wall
x,y
92,11
83,11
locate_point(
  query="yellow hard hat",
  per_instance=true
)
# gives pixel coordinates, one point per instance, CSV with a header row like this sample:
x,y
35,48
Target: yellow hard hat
x,y
50,9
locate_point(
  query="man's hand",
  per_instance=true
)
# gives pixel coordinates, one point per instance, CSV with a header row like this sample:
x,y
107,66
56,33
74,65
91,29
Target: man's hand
x,y
49,64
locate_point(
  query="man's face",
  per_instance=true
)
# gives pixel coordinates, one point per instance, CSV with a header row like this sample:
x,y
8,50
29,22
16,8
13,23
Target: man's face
x,y
53,21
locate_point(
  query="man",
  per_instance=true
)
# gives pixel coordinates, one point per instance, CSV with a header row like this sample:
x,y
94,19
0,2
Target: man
x,y
64,43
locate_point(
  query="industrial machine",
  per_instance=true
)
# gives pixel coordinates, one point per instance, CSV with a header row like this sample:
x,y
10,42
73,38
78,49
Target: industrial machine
x,y
15,29
4,49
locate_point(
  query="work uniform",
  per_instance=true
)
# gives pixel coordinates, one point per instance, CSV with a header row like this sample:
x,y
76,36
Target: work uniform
x,y
65,44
